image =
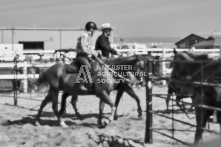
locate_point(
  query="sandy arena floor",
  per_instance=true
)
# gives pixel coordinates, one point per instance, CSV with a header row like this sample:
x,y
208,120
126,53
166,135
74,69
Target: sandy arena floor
x,y
17,123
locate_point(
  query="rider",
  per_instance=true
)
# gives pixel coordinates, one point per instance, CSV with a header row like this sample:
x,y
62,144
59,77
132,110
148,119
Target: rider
x,y
84,48
84,45
103,43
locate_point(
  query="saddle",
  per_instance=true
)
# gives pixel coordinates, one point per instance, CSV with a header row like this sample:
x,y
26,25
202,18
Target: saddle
x,y
72,67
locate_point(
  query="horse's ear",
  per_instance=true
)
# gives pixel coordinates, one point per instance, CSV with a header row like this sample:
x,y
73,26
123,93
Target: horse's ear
x,y
174,51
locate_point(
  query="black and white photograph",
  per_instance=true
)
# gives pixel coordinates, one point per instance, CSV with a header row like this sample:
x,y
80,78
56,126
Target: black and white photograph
x,y
110,73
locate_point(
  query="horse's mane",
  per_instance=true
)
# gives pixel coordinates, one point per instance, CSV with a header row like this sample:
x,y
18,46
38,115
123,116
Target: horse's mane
x,y
197,57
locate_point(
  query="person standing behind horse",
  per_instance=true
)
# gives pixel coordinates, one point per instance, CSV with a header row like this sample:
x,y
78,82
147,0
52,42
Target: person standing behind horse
x,y
103,43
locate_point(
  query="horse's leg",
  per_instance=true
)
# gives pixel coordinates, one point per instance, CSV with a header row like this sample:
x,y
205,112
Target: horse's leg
x,y
202,116
101,108
131,92
63,103
43,104
117,101
104,96
182,107
74,104
192,106
169,94
178,99
55,107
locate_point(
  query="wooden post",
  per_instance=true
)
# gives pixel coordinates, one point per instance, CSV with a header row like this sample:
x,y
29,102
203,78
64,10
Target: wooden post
x,y
15,71
25,82
164,67
149,115
15,80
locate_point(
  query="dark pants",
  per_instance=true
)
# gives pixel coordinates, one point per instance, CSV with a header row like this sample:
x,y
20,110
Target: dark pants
x,y
83,60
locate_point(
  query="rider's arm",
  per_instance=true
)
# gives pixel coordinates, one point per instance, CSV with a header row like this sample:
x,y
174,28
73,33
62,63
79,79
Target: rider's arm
x,y
104,44
86,44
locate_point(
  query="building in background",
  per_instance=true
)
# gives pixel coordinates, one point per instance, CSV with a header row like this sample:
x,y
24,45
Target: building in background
x,y
42,38
189,41
213,42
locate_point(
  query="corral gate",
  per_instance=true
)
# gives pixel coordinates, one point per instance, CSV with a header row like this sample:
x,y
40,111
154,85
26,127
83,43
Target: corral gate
x,y
150,110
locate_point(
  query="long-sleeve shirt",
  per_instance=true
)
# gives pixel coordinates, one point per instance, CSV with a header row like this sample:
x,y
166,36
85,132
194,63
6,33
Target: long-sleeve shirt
x,y
84,44
103,44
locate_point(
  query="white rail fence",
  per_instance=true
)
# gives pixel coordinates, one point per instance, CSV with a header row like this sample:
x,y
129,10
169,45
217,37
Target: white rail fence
x,y
25,76
165,53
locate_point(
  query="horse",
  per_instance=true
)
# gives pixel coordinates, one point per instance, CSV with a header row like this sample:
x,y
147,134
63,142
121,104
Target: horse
x,y
198,68
131,61
58,79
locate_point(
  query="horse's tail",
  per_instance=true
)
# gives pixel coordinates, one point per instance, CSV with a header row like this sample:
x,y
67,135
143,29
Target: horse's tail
x,y
40,83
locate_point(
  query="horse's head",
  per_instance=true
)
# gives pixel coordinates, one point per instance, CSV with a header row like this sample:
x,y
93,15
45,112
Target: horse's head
x,y
184,66
138,70
181,64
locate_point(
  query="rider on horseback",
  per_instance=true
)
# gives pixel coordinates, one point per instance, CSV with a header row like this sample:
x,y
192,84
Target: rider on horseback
x,y
84,45
103,43
84,48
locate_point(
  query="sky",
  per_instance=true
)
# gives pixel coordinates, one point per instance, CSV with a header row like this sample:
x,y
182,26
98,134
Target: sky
x,y
131,18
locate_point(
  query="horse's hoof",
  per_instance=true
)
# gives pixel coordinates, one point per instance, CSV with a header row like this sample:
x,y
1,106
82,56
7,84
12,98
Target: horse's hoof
x,y
37,123
140,117
100,126
63,125
105,122
140,114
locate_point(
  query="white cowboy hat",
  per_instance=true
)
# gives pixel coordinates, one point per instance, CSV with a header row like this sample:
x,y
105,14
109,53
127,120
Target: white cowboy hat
x,y
106,26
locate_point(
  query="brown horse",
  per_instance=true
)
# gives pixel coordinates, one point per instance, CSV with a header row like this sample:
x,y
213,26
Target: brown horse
x,y
132,61
138,67
58,79
199,68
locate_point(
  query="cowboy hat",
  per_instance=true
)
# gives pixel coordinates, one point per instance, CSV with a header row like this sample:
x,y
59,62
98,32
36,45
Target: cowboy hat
x,y
106,26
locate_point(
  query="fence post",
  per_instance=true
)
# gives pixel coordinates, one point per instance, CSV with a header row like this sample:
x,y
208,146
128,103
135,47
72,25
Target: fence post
x,y
25,81
15,88
219,53
164,67
149,116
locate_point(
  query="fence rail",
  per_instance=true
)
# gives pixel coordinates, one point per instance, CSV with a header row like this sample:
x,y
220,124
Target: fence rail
x,y
165,53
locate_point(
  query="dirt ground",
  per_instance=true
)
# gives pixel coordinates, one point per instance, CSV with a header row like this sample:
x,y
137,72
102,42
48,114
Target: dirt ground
x,y
17,123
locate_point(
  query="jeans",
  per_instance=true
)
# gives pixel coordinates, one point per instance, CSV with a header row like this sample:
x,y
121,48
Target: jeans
x,y
83,60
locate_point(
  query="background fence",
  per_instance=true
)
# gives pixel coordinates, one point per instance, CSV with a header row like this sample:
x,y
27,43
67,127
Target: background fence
x,y
46,58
